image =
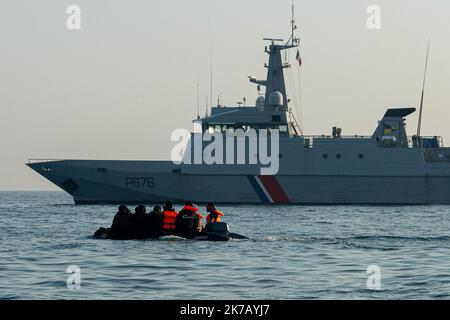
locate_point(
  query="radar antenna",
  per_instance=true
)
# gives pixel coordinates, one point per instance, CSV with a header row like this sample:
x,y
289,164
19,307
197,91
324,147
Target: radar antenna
x,y
273,40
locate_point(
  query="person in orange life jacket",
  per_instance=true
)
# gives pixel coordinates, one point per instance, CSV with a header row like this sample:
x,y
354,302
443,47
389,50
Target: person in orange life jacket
x,y
169,218
189,221
214,214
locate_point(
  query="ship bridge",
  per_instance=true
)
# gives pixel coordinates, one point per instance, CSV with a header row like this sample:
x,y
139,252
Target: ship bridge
x,y
223,119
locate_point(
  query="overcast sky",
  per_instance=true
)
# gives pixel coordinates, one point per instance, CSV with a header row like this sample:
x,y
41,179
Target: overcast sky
x,y
118,87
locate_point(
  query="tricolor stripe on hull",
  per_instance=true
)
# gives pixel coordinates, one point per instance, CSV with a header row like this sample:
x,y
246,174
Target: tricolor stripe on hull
x,y
268,189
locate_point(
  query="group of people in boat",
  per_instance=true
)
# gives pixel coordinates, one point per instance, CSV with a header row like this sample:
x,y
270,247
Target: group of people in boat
x,y
187,223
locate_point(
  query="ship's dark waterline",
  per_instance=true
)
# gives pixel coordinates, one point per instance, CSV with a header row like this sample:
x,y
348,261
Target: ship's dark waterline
x,y
295,252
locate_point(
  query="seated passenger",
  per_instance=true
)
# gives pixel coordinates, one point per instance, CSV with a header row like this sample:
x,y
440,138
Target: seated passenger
x,y
214,214
156,211
155,222
141,223
189,221
169,218
121,227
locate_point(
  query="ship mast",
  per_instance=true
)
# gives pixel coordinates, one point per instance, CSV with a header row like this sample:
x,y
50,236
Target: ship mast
x,y
419,124
293,39
275,98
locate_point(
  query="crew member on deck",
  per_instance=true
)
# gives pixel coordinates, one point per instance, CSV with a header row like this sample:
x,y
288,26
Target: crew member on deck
x,y
189,221
169,218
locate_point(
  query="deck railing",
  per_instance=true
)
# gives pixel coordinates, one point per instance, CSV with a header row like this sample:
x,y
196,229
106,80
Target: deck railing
x,y
323,136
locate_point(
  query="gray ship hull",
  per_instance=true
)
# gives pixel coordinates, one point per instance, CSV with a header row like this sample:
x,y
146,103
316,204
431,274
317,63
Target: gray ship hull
x,y
95,182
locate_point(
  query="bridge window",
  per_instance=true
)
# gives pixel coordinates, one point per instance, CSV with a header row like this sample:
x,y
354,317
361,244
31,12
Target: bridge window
x,y
360,156
325,156
338,156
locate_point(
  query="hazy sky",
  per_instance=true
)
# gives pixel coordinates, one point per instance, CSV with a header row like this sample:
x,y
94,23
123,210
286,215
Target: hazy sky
x,y
118,87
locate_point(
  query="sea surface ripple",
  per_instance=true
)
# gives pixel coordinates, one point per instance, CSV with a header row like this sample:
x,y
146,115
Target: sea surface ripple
x,y
294,252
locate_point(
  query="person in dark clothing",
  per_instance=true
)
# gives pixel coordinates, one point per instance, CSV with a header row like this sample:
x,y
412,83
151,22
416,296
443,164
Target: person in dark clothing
x,y
140,209
156,211
141,223
189,221
155,222
121,227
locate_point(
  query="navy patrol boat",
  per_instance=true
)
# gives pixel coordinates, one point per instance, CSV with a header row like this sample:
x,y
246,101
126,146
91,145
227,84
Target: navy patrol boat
x,y
387,167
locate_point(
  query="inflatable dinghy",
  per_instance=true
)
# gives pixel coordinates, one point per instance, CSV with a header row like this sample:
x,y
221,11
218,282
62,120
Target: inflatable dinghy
x,y
218,231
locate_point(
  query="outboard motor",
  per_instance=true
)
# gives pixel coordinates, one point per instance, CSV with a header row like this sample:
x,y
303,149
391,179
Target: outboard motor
x,y
218,227
218,231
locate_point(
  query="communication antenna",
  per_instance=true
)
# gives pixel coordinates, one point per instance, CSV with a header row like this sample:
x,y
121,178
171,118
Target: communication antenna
x,y
292,24
211,76
206,106
293,40
198,93
419,124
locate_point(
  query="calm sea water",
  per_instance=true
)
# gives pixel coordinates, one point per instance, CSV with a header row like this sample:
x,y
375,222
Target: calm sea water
x,y
294,252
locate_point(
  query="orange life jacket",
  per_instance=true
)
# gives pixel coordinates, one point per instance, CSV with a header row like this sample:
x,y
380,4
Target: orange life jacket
x,y
170,220
218,214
